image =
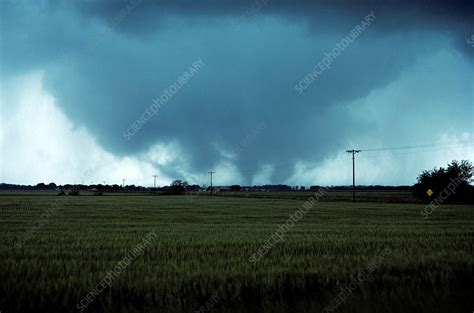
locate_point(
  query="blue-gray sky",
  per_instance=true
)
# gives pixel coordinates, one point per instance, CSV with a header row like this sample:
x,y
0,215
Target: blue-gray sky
x,y
75,75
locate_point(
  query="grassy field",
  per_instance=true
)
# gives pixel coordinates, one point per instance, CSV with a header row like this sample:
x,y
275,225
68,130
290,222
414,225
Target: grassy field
x,y
201,248
344,196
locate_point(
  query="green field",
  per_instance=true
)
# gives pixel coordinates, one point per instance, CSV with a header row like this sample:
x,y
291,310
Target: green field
x,y
202,248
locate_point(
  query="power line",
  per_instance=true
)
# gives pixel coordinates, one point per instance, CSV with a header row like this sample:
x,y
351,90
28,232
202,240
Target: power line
x,y
399,153
438,146
280,168
418,146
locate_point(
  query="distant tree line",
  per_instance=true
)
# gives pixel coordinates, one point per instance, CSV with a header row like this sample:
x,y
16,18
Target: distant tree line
x,y
53,186
183,185
450,184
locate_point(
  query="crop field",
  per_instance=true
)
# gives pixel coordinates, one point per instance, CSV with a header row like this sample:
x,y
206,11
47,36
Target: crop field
x,y
403,196
338,257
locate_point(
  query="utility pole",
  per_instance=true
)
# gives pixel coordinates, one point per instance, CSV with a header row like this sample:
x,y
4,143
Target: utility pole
x,y
354,152
211,172
154,181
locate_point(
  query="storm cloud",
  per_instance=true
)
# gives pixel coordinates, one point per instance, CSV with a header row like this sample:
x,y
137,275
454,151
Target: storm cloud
x,y
104,62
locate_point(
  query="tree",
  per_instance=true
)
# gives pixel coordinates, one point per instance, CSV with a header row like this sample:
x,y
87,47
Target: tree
x,y
193,188
449,184
178,187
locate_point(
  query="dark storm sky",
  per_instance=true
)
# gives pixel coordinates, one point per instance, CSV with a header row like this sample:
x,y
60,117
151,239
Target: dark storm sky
x,y
405,80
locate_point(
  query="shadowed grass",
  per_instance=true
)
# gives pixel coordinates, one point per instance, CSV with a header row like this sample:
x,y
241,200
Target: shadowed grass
x,y
203,245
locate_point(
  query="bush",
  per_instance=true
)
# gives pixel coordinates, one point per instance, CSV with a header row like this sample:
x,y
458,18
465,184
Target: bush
x,y
449,184
73,192
61,193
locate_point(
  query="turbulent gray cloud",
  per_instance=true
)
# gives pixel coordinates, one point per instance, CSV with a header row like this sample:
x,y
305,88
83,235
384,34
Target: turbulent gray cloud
x,y
105,64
